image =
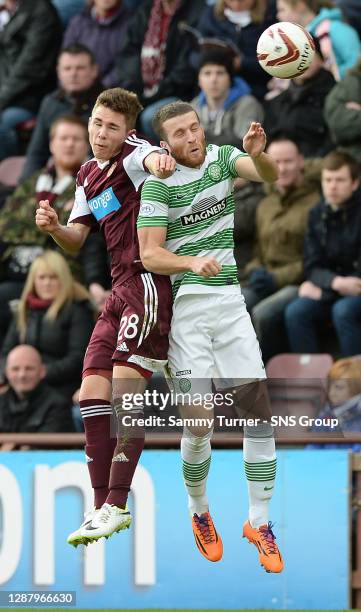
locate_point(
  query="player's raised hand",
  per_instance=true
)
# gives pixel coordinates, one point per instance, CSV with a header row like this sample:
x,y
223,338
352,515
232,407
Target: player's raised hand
x,y
254,141
164,165
205,266
45,217
160,164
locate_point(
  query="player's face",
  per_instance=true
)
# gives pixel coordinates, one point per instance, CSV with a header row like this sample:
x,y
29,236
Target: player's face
x,y
338,185
239,5
186,140
76,72
214,81
289,161
46,284
24,371
286,12
107,132
339,392
69,146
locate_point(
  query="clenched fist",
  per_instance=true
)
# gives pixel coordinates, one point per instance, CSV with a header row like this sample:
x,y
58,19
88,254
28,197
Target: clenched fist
x,y
46,218
205,266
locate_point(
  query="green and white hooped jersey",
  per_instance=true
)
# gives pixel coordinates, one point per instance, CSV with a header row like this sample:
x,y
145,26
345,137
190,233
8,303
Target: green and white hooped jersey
x,y
197,208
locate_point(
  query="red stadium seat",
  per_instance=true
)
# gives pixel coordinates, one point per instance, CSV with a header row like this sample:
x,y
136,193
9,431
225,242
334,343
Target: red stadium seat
x,y
297,383
11,169
290,365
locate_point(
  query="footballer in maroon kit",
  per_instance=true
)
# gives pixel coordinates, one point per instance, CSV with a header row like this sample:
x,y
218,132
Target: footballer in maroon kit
x,y
130,338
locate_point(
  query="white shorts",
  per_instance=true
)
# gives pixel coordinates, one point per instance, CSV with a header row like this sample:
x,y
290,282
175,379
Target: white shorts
x,y
212,339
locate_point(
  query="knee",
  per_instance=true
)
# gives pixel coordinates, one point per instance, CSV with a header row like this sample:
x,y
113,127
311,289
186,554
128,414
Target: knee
x,y
251,401
341,311
196,438
294,311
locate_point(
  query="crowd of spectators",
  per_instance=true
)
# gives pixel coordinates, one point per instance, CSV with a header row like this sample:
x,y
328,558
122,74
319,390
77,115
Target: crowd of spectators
x,y
297,242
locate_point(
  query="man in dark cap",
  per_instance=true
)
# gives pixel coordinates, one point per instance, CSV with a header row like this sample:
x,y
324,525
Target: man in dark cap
x,y
225,105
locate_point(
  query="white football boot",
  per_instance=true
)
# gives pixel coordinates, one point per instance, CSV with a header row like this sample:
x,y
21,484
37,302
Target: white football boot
x,y
108,520
79,536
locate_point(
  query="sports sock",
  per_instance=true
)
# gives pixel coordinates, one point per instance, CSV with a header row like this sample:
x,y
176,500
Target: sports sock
x,y
260,466
196,459
100,442
129,446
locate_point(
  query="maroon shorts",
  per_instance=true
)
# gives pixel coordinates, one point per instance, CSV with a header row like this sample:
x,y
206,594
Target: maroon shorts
x,y
134,325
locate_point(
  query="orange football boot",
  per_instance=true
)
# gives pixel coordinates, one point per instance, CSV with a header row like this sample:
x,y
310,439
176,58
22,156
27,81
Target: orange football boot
x,y
207,539
265,541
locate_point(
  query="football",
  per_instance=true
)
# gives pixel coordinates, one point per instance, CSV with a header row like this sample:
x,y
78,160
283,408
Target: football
x,y
285,50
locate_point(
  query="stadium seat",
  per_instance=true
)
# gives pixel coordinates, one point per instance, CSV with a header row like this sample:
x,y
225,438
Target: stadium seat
x,y
290,365
297,383
11,169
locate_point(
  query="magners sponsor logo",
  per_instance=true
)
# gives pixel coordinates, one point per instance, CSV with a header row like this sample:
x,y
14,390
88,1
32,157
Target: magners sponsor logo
x,y
203,215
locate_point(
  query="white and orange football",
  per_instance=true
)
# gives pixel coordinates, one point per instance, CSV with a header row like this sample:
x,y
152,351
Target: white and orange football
x,y
285,50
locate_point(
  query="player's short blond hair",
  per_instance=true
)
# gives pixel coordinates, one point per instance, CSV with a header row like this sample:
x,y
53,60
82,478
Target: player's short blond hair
x,y
257,11
169,111
121,101
349,369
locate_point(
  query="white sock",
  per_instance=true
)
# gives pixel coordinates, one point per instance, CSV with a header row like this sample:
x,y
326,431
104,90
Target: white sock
x,y
260,466
196,456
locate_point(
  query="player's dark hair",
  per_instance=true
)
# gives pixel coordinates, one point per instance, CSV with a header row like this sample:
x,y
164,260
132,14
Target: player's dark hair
x,y
70,120
337,159
121,101
169,111
79,49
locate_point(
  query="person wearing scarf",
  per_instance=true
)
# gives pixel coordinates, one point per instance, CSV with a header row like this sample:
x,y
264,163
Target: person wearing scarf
x,y
154,59
53,315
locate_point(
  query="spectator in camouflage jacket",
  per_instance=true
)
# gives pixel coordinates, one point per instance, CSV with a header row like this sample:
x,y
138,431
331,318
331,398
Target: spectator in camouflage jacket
x,y
20,239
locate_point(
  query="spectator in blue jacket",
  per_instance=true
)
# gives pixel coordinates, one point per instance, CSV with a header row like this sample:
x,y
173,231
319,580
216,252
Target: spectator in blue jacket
x,y
332,263
101,27
225,105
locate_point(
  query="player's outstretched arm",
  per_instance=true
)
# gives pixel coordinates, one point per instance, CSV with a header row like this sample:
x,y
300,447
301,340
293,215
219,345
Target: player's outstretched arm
x,y
156,258
259,166
69,238
160,164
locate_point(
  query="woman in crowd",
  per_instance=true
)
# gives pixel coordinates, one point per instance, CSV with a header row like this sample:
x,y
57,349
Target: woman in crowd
x,y
53,315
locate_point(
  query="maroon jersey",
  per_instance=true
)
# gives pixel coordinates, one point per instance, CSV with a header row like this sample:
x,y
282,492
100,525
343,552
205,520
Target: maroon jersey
x,y
107,196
